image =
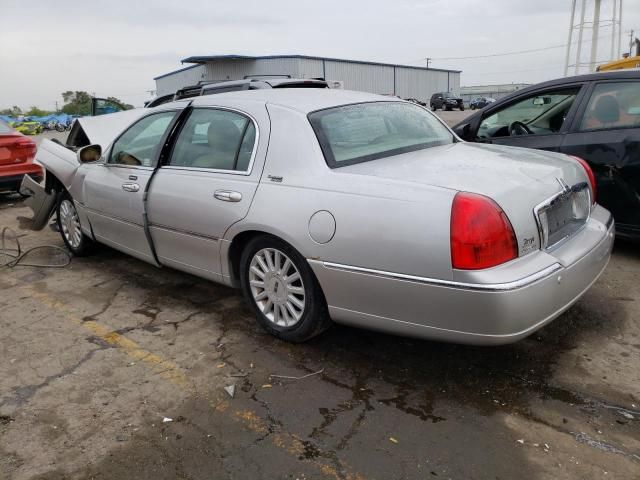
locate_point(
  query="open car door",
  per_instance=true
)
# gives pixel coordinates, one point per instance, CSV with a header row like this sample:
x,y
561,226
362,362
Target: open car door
x,y
102,106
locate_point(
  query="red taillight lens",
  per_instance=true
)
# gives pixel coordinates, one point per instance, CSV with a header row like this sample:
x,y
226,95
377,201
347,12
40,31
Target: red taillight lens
x,y
17,149
590,175
481,234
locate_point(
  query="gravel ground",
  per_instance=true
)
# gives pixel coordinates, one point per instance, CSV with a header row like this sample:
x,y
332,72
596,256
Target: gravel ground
x,y
115,369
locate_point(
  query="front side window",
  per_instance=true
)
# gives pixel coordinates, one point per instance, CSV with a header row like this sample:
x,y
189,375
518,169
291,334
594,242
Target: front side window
x,y
140,144
539,114
613,105
367,131
215,139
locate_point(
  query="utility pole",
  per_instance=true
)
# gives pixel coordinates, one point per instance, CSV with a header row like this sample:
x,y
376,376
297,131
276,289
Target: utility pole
x,y
613,55
428,61
57,106
631,43
580,32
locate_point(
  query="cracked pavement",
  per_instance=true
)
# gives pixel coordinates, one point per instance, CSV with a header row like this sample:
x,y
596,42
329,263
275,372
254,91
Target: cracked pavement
x,y
97,354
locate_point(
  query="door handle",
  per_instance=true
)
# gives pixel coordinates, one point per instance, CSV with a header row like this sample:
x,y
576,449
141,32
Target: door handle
x,y
228,196
130,187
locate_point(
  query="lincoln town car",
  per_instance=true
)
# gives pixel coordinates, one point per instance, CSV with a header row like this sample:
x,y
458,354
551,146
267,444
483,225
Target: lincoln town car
x,y
334,206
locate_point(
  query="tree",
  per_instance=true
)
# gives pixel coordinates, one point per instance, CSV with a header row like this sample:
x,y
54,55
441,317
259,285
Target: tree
x,y
79,103
76,103
13,111
37,112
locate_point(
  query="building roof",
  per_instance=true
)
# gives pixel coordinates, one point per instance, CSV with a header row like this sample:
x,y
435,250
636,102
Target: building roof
x,y
212,58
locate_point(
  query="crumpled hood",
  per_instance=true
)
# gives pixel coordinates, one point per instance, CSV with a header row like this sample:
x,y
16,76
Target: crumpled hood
x,y
103,129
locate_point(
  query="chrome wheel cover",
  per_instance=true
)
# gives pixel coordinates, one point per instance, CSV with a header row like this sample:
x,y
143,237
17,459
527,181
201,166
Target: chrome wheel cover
x,y
276,287
70,223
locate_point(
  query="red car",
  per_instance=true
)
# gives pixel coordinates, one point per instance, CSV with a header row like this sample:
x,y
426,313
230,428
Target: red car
x,y
16,159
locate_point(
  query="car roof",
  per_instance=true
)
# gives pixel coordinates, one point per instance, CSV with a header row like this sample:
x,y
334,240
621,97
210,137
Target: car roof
x,y
588,77
303,100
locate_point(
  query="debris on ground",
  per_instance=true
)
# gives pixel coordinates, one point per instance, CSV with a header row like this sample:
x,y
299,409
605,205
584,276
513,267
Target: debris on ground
x,y
288,377
393,440
231,390
167,420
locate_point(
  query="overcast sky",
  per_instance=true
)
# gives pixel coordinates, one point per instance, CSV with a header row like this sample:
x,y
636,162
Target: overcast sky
x,y
116,47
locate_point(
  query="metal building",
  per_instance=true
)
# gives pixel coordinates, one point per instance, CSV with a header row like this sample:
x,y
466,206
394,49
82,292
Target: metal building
x,y
491,91
402,80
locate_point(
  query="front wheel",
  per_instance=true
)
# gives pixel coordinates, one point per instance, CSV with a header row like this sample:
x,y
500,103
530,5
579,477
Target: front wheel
x,y
69,227
462,108
282,290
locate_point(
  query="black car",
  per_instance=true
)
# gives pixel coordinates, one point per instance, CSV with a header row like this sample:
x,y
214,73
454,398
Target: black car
x,y
445,101
480,102
595,117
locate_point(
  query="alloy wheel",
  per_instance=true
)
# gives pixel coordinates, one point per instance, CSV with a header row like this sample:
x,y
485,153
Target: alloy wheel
x,y
70,223
276,287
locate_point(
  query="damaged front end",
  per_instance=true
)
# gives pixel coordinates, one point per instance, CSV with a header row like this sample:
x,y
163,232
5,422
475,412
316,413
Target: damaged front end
x,y
41,199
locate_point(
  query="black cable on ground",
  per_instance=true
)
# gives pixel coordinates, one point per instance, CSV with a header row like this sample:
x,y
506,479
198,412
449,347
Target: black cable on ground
x,y
15,256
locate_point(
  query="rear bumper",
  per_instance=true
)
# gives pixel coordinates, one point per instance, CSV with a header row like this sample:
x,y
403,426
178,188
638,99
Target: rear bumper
x,y
486,313
11,180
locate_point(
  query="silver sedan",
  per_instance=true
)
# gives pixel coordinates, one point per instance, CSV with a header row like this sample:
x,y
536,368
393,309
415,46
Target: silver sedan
x,y
335,205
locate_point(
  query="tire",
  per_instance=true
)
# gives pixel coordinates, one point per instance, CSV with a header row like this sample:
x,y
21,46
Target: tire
x,y
472,107
278,310
462,108
60,128
69,227
433,108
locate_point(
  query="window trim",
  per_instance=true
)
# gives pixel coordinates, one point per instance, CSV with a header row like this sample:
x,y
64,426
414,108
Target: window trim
x,y
163,140
254,151
327,153
568,121
577,121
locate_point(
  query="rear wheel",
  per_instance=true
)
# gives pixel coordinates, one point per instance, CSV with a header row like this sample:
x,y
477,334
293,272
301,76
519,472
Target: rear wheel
x,y
462,108
69,227
282,290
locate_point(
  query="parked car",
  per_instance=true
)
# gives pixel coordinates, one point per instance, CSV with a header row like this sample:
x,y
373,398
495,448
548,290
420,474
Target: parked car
x,y
253,83
446,101
27,128
16,159
335,205
480,102
595,116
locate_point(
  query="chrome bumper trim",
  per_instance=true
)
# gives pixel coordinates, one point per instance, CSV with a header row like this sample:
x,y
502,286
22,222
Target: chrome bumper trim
x,y
491,287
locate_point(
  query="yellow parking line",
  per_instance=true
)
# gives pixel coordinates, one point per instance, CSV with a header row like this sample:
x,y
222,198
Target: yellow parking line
x,y
170,371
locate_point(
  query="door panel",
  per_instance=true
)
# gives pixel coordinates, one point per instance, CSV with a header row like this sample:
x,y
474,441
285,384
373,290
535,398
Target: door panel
x,y
187,220
207,186
116,215
606,134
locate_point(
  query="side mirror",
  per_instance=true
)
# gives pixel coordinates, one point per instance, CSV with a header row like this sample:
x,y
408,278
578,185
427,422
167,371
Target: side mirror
x,y
463,131
89,154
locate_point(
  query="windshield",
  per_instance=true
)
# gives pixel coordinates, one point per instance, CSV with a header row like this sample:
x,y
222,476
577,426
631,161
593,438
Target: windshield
x,y
367,131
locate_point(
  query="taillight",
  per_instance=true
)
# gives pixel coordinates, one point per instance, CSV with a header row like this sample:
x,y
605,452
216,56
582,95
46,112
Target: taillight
x,y
481,234
590,175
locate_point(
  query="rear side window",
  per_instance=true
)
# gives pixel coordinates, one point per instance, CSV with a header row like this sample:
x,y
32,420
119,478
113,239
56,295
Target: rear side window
x,y
215,139
367,131
613,105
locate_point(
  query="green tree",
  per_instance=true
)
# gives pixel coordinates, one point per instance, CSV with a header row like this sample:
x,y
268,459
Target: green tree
x,y
76,103
37,112
14,111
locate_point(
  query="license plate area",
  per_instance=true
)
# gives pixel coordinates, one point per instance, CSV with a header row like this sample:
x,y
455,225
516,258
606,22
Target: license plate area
x,y
563,215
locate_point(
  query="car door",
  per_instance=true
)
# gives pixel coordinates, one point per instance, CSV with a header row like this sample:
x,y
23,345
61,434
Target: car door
x,y
113,190
606,133
536,120
207,185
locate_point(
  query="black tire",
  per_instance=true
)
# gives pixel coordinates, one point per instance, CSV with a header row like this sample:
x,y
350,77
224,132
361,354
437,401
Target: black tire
x,y
60,127
462,108
86,244
472,107
314,318
433,107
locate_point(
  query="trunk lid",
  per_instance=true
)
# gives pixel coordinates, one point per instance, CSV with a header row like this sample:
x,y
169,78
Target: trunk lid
x,y
517,179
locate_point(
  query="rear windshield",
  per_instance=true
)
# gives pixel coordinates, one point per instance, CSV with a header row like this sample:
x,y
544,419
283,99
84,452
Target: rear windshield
x,y
367,131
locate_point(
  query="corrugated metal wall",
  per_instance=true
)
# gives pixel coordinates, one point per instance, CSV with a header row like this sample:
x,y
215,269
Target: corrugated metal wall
x,y
238,69
382,79
177,80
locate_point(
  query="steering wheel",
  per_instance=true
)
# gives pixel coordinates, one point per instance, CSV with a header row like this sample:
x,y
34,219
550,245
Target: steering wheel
x,y
518,128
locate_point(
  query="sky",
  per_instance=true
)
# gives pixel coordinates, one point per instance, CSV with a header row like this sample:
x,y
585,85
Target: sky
x,y
116,47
